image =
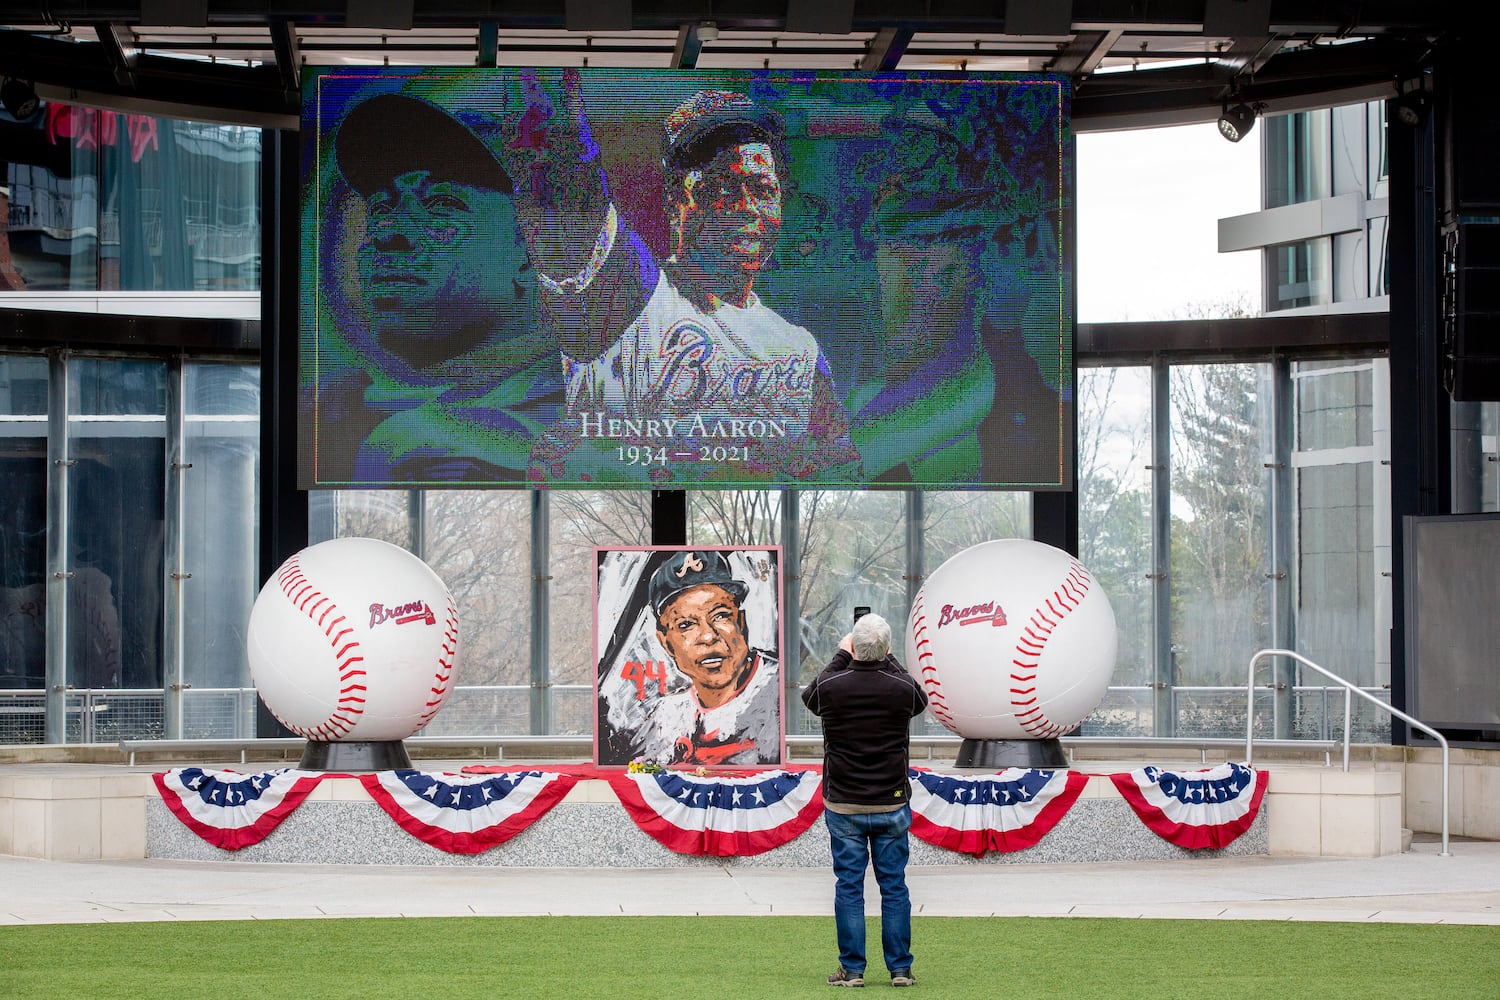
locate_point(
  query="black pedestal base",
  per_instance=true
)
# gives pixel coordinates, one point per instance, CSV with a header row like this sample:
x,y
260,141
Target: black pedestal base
x,y
373,755
998,754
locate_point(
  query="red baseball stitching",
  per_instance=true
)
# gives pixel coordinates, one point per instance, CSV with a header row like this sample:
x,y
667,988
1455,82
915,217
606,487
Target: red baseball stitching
x,y
1033,642
323,612
936,703
443,677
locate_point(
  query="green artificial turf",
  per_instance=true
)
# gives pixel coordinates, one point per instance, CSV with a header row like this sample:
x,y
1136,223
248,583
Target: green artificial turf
x,y
753,957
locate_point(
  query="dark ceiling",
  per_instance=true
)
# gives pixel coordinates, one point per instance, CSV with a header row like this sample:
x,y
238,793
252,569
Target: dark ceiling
x,y
1134,62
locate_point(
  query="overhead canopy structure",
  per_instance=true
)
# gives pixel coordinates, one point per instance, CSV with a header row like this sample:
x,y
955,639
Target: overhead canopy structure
x,y
1133,64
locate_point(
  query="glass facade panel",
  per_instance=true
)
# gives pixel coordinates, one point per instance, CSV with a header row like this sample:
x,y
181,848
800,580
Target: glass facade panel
x,y
1220,604
116,522
1339,589
98,200
219,537
1336,575
479,543
1296,157
23,540
378,514
954,521
1334,409
1489,430
1114,533
1297,275
579,521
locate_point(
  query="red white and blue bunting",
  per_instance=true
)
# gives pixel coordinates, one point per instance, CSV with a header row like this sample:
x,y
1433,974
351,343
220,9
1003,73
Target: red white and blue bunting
x,y
463,813
721,816
1008,811
231,810
1195,809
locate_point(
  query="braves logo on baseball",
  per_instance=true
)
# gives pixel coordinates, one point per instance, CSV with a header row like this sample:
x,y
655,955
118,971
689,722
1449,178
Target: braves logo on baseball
x,y
322,666
415,611
1042,665
989,611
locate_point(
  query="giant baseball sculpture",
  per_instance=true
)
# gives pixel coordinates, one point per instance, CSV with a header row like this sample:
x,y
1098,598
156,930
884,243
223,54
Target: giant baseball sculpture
x,y
1011,640
354,639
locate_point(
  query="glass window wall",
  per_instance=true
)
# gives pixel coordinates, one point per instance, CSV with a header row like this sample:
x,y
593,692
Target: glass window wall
x,y
216,577
98,200
1219,570
517,558
23,547
1114,534
1341,594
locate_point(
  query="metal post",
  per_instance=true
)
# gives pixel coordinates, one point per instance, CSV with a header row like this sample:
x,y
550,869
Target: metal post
x,y
1420,437
283,507
177,575
916,544
541,613
791,593
416,523
1280,517
1164,721
916,563
58,573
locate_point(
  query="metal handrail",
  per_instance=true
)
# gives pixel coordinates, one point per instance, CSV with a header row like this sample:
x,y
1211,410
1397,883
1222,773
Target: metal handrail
x,y
1349,689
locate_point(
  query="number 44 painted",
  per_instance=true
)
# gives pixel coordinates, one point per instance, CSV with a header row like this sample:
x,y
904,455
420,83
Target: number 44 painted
x,y
642,673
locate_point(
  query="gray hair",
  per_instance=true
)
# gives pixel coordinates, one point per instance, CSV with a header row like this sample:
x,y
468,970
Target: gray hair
x,y
871,638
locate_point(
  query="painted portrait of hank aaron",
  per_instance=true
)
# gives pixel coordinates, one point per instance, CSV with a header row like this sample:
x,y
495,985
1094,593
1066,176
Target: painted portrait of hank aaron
x,y
688,671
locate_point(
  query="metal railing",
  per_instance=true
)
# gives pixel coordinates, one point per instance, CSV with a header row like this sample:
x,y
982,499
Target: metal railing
x,y
1349,691
229,713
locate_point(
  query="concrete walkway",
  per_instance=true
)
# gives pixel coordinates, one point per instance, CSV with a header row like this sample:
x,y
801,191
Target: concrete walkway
x,y
1419,886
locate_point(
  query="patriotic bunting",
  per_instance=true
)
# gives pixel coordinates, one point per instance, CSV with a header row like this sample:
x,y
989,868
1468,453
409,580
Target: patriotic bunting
x,y
1195,809
740,814
231,810
1009,811
721,816
466,814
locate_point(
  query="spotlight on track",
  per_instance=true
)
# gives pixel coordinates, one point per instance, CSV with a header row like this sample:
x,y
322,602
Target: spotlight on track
x,y
1410,108
1236,121
19,98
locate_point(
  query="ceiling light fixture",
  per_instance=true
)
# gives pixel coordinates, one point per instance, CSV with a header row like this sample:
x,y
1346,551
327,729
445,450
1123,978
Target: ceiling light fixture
x,y
1410,108
19,98
708,31
1236,121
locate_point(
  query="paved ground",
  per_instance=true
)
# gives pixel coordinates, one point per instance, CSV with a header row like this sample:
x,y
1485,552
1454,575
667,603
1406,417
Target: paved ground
x,y
1419,886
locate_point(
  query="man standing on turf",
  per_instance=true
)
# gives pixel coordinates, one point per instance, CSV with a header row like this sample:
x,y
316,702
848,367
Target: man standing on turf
x,y
866,701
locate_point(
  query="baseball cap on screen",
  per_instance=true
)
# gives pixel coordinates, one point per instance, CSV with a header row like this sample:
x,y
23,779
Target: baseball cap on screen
x,y
392,134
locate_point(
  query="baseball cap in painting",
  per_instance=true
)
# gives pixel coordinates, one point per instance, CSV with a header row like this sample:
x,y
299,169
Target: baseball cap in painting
x,y
686,570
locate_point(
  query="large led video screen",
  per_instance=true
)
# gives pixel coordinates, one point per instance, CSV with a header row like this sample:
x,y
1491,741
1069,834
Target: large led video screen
x,y
685,279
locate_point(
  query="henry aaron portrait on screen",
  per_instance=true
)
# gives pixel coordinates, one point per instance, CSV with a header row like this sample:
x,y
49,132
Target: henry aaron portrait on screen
x,y
687,644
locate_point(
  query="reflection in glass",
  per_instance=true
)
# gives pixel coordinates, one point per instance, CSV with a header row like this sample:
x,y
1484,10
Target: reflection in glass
x,y
23,539
1337,580
1218,573
580,520
102,200
116,523
374,514
1114,533
478,542
221,451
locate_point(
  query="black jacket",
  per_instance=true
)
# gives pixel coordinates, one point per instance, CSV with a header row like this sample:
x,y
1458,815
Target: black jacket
x,y
866,708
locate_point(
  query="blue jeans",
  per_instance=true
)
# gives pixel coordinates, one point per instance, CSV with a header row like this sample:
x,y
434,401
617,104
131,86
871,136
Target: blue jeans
x,y
857,840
